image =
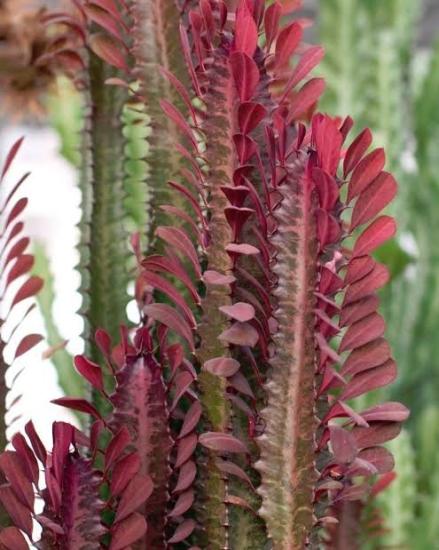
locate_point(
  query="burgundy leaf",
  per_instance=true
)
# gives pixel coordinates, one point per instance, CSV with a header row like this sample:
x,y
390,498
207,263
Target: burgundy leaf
x,y
371,355
117,446
15,472
191,419
230,468
343,445
179,86
386,412
271,22
182,532
186,476
183,503
362,332
23,264
182,383
174,114
310,59
365,172
380,457
246,33
306,97
37,445
287,42
377,277
356,151
77,404
376,434
11,156
29,288
358,310
250,114
373,199
18,513
377,233
245,74
103,341
12,539
136,493
124,470
222,366
185,449
27,343
222,442
169,317
240,334
108,49
90,371
102,18
128,532
214,278
370,380
27,456
178,239
240,311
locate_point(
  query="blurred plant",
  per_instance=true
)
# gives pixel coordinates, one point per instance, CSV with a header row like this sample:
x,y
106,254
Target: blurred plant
x,y
255,286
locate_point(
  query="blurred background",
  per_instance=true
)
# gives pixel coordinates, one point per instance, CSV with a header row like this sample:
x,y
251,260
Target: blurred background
x,y
382,68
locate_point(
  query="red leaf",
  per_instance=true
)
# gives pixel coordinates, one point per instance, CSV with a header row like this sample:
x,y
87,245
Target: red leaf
x,y
182,383
240,334
366,357
286,43
102,18
29,288
124,470
305,98
373,199
377,233
90,371
271,22
37,444
18,208
343,445
186,476
15,472
117,446
359,268
363,332
386,412
246,33
179,86
183,503
186,447
240,311
233,469
169,317
356,151
77,404
369,380
188,58
222,366
214,278
245,74
305,65
103,341
365,172
191,419
380,457
168,288
222,442
109,6
27,456
11,156
109,49
327,188
376,434
174,114
127,532
383,482
183,531
137,492
178,239
18,513
23,264
18,248
250,114
27,343
358,310
12,539
375,279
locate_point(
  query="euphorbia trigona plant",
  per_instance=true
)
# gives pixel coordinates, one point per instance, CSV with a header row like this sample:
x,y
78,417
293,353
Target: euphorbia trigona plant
x,y
225,419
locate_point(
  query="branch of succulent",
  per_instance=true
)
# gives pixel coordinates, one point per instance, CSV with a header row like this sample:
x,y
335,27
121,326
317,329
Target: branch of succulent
x,y
258,303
